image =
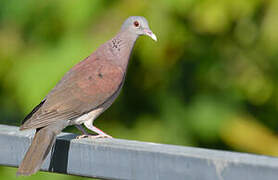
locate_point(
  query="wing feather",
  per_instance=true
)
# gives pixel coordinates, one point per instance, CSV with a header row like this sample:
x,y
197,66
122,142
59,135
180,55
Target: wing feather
x,y
86,86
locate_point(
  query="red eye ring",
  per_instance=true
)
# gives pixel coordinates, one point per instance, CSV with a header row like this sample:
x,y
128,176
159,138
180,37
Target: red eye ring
x,y
136,23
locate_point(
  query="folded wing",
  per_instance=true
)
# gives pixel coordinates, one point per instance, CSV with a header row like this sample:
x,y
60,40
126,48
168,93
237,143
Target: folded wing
x,y
86,86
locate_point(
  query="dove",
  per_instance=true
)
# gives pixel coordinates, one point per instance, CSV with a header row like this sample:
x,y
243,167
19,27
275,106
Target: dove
x,y
85,91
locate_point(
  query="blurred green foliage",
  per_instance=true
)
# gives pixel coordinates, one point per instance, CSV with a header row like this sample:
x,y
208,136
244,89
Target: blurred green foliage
x,y
209,81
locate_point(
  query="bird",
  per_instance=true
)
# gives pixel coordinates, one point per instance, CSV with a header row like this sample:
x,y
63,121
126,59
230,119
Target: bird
x,y
84,92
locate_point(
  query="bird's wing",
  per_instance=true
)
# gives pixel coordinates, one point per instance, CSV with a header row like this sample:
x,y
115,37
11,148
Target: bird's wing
x,y
85,87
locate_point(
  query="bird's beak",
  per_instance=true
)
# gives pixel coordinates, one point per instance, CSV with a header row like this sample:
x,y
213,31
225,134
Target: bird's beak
x,y
148,32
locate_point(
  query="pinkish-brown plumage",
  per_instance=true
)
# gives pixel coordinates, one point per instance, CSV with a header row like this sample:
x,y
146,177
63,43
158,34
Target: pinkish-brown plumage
x,y
87,90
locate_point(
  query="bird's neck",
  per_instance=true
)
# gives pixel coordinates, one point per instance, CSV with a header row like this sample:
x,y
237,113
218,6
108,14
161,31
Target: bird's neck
x,y
121,47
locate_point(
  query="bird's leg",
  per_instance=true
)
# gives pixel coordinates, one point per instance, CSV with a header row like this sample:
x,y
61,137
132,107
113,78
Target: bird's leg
x,y
80,128
84,132
89,125
101,134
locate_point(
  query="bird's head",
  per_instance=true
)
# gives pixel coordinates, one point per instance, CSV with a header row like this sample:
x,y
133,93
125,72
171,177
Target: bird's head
x,y
138,25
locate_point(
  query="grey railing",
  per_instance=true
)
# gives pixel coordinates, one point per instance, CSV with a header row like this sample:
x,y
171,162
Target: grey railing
x,y
124,159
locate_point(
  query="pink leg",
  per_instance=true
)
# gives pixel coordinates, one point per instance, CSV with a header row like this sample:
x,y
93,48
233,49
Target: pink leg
x,y
80,128
89,125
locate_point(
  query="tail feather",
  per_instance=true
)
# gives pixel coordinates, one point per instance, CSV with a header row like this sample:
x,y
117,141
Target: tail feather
x,y
37,152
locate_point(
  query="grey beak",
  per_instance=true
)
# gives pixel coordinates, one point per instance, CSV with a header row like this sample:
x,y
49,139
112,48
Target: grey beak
x,y
148,32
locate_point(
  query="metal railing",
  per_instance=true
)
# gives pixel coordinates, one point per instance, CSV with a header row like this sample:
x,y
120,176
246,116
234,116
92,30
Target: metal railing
x,y
124,159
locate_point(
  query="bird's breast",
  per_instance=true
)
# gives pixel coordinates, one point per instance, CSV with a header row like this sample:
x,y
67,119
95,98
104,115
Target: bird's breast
x,y
97,81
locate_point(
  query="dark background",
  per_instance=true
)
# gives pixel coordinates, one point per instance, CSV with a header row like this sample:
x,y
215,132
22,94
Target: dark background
x,y
210,81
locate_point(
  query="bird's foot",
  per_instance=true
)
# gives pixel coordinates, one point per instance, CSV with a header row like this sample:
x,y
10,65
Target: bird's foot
x,y
100,136
94,136
82,136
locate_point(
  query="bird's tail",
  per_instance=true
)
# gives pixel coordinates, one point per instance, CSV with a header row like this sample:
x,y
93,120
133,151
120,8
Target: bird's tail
x,y
37,152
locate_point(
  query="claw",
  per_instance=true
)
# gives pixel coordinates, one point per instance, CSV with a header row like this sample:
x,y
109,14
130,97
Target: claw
x,y
99,136
93,136
82,136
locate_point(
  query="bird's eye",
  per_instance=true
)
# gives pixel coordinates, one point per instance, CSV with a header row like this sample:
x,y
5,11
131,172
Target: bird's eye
x,y
136,23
